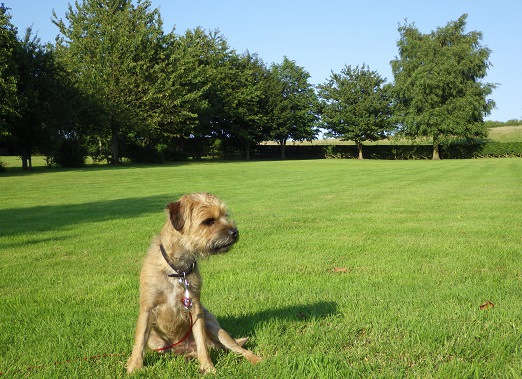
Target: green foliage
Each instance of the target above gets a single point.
(8, 71)
(492, 149)
(294, 104)
(47, 108)
(497, 124)
(356, 105)
(119, 86)
(112, 48)
(143, 154)
(245, 102)
(31, 130)
(37, 111)
(488, 149)
(438, 88)
(187, 80)
(69, 153)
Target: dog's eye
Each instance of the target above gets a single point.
(209, 221)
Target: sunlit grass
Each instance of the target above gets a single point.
(506, 133)
(497, 134)
(420, 246)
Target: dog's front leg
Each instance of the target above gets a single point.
(135, 361)
(198, 330)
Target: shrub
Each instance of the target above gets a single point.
(402, 152)
(69, 153)
(144, 154)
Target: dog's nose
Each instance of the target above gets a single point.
(234, 233)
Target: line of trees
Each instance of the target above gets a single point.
(115, 85)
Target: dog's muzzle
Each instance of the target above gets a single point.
(222, 244)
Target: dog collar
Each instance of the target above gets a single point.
(178, 273)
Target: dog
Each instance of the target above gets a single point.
(171, 316)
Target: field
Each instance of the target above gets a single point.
(509, 133)
(506, 134)
(344, 269)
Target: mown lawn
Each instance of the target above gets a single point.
(344, 269)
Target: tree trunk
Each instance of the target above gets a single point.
(25, 166)
(247, 150)
(26, 160)
(436, 155)
(359, 148)
(283, 149)
(115, 144)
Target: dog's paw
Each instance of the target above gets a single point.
(241, 341)
(207, 368)
(133, 366)
(255, 359)
(252, 357)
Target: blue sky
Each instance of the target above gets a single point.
(324, 35)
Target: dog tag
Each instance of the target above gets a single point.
(187, 303)
(185, 300)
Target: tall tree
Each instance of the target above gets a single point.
(294, 104)
(40, 104)
(113, 50)
(252, 104)
(29, 131)
(8, 69)
(186, 84)
(198, 63)
(438, 88)
(356, 105)
(245, 102)
(210, 54)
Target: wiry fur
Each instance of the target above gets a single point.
(197, 226)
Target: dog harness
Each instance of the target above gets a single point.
(185, 300)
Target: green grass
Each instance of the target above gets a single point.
(506, 133)
(424, 244)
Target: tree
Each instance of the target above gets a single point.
(231, 92)
(438, 88)
(251, 104)
(8, 69)
(182, 81)
(245, 102)
(209, 54)
(294, 104)
(70, 119)
(187, 82)
(40, 105)
(113, 50)
(38, 113)
(356, 105)
(30, 131)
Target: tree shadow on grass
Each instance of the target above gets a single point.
(45, 218)
(42, 170)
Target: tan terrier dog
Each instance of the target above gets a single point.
(171, 316)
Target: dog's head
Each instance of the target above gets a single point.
(202, 223)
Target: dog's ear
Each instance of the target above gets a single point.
(176, 215)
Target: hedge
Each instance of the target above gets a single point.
(452, 151)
